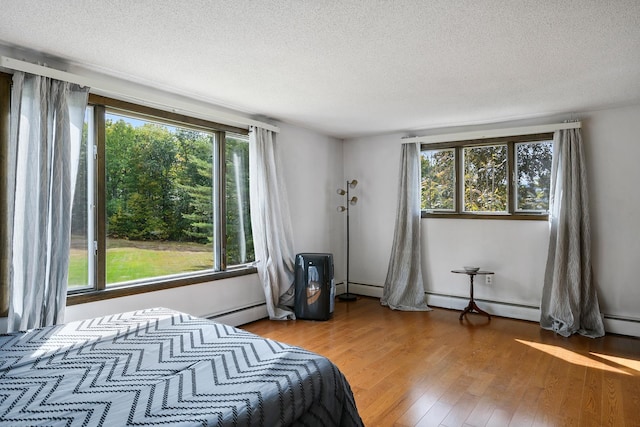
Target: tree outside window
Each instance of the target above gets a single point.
(487, 179)
(160, 199)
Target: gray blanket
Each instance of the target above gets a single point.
(161, 367)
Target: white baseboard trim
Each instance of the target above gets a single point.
(365, 290)
(242, 316)
(497, 308)
(622, 326)
(612, 324)
(459, 303)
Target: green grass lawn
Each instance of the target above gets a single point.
(132, 263)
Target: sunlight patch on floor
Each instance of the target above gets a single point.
(573, 357)
(629, 363)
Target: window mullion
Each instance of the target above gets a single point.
(100, 215)
(219, 226)
(511, 176)
(459, 194)
(90, 204)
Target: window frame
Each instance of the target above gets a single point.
(511, 213)
(101, 106)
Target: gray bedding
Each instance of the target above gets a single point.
(162, 367)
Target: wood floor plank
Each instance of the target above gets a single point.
(570, 404)
(429, 369)
(435, 415)
(482, 412)
(417, 410)
(612, 408)
(460, 412)
(591, 401)
(499, 418)
(631, 400)
(525, 413)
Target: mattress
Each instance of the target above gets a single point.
(162, 367)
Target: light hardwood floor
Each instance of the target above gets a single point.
(430, 369)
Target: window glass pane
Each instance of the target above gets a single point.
(438, 179)
(239, 241)
(159, 199)
(533, 172)
(485, 178)
(81, 260)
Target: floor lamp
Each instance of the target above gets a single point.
(348, 201)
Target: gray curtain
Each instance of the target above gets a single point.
(403, 287)
(569, 299)
(46, 125)
(271, 224)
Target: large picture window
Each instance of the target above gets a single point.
(159, 199)
(497, 178)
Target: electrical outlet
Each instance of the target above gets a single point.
(488, 279)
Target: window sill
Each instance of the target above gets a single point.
(81, 297)
(505, 216)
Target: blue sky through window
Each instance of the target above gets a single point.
(136, 123)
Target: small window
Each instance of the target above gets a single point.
(487, 178)
(438, 180)
(533, 174)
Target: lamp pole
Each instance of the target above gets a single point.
(348, 296)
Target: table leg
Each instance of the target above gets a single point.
(472, 304)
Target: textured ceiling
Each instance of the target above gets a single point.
(353, 67)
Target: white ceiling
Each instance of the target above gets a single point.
(353, 67)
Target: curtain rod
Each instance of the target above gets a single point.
(492, 133)
(106, 86)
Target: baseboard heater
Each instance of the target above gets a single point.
(242, 315)
(622, 325)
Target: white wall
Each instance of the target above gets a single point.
(203, 299)
(313, 171)
(613, 155)
(312, 167)
(515, 250)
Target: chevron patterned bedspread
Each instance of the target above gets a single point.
(162, 367)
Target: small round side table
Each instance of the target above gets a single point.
(472, 304)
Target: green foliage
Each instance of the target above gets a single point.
(160, 187)
(534, 175)
(485, 179)
(438, 179)
(194, 189)
(142, 208)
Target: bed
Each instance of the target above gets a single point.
(162, 367)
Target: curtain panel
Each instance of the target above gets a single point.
(569, 299)
(271, 224)
(46, 124)
(403, 286)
